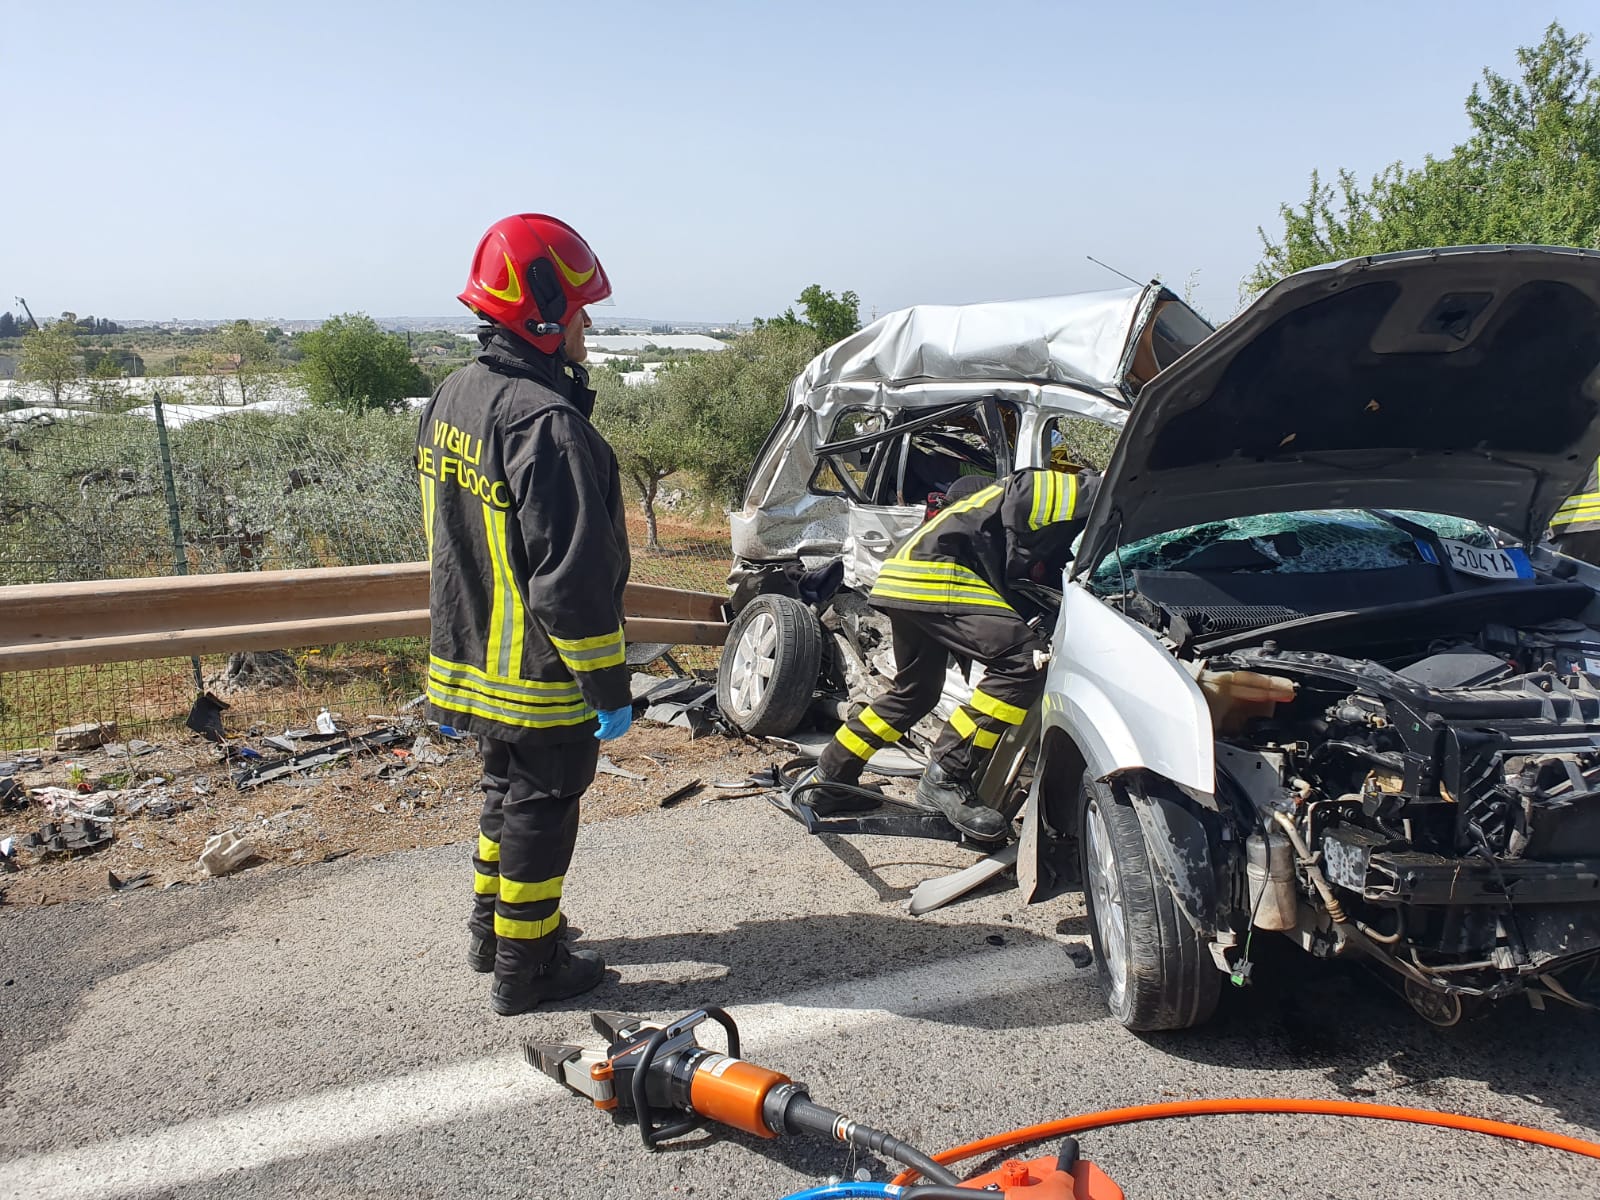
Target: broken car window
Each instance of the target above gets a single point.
(920, 452)
(1068, 441)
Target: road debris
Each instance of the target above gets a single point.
(680, 794)
(225, 852)
(425, 754)
(133, 748)
(67, 803)
(142, 879)
(1079, 954)
(205, 717)
(687, 703)
(271, 769)
(607, 767)
(69, 837)
(86, 737)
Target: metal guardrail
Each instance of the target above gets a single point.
(104, 621)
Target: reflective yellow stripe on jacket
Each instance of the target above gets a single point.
(1055, 498)
(528, 704)
(1581, 509)
(592, 653)
(936, 583)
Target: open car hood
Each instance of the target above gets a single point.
(1460, 381)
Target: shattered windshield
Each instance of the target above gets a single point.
(1340, 539)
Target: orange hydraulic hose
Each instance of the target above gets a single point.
(1213, 1108)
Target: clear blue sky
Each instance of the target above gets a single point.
(298, 159)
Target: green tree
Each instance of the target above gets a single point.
(652, 433)
(106, 388)
(353, 365)
(832, 318)
(8, 325)
(50, 357)
(250, 354)
(733, 397)
(1528, 172)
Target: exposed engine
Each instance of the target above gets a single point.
(1444, 811)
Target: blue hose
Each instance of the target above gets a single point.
(846, 1191)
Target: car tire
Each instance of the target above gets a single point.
(1155, 970)
(770, 661)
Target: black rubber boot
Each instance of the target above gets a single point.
(951, 796)
(830, 801)
(568, 973)
(481, 950)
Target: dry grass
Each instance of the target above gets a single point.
(341, 809)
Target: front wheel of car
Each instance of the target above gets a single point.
(769, 667)
(1155, 970)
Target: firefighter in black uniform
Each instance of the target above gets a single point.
(1576, 526)
(523, 511)
(949, 590)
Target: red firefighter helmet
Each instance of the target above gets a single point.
(530, 271)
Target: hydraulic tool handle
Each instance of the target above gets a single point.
(651, 1131)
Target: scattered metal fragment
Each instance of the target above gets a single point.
(607, 767)
(318, 756)
(142, 879)
(683, 793)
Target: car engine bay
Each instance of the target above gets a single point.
(1408, 757)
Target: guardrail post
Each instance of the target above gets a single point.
(180, 556)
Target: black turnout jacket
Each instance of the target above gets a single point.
(523, 510)
(965, 559)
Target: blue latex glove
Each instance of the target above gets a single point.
(614, 723)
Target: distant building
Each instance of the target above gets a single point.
(637, 343)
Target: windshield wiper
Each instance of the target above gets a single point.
(1420, 532)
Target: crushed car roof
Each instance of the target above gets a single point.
(1462, 381)
(1079, 339)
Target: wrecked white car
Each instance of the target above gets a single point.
(878, 424)
(1315, 674)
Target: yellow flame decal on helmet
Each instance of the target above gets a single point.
(574, 278)
(512, 292)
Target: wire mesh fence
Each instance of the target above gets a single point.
(88, 494)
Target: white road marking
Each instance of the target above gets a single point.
(256, 1137)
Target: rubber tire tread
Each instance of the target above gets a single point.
(1173, 981)
(794, 669)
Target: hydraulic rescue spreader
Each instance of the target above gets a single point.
(665, 1079)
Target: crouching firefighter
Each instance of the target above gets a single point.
(523, 512)
(948, 590)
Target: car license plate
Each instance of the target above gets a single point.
(1508, 563)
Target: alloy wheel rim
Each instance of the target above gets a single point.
(1110, 919)
(754, 661)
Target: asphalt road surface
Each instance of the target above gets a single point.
(314, 1032)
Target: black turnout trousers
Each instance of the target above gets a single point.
(525, 839)
(923, 643)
